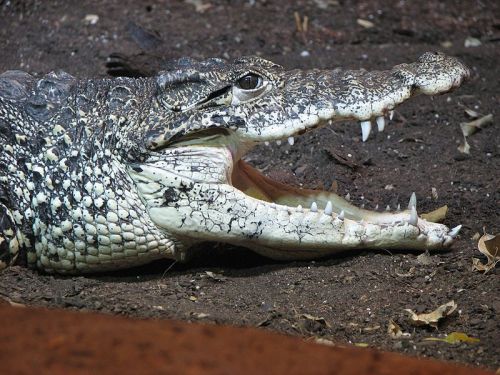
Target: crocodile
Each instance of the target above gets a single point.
(109, 173)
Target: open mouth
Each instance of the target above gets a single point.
(309, 203)
(210, 193)
(255, 184)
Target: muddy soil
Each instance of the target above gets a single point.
(355, 294)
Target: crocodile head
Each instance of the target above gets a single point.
(111, 173)
(203, 190)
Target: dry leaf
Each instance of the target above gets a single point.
(371, 328)
(488, 245)
(301, 23)
(210, 274)
(410, 273)
(199, 5)
(465, 147)
(410, 139)
(316, 319)
(201, 315)
(471, 113)
(215, 276)
(434, 317)
(454, 338)
(469, 128)
(323, 4)
(472, 42)
(434, 193)
(394, 330)
(365, 23)
(437, 215)
(322, 341)
(477, 265)
(15, 304)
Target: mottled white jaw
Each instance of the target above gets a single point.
(200, 193)
(371, 229)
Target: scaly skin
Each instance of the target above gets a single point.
(112, 173)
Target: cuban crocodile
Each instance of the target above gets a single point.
(110, 173)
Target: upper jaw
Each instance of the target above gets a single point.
(312, 98)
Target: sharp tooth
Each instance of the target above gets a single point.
(413, 201)
(266, 143)
(291, 141)
(454, 232)
(348, 197)
(399, 207)
(299, 208)
(388, 208)
(366, 128)
(376, 207)
(328, 208)
(314, 207)
(413, 216)
(391, 115)
(362, 205)
(341, 215)
(278, 142)
(381, 123)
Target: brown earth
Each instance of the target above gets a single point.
(356, 294)
(101, 344)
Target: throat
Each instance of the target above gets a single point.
(254, 184)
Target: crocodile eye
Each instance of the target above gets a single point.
(250, 82)
(249, 87)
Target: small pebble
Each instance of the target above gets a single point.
(91, 19)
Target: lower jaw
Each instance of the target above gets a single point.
(356, 228)
(273, 225)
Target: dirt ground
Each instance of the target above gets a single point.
(133, 346)
(355, 295)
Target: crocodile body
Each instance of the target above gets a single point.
(106, 174)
